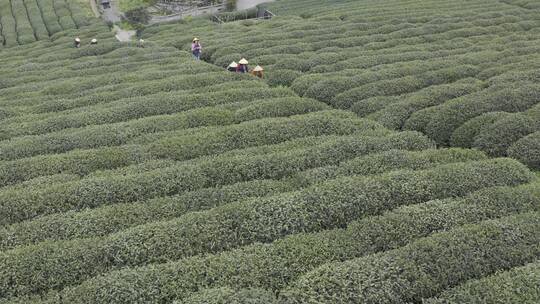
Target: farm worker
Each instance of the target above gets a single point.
(93, 41)
(242, 66)
(141, 43)
(232, 67)
(258, 71)
(196, 49)
(77, 42)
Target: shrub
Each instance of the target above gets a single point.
(396, 114)
(21, 205)
(444, 119)
(76, 162)
(498, 137)
(34, 16)
(280, 107)
(152, 112)
(107, 135)
(517, 285)
(323, 58)
(402, 85)
(425, 267)
(277, 165)
(188, 144)
(138, 16)
(527, 150)
(228, 296)
(367, 106)
(281, 77)
(465, 135)
(295, 64)
(323, 206)
(109, 219)
(301, 84)
(274, 266)
(325, 90)
(224, 61)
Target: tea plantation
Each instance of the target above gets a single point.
(390, 155)
(463, 72)
(26, 21)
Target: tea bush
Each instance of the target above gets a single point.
(261, 221)
(138, 175)
(518, 285)
(414, 271)
(102, 220)
(273, 266)
(527, 150)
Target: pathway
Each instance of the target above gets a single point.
(123, 35)
(245, 4)
(93, 5)
(112, 14)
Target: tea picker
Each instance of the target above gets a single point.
(258, 71)
(196, 49)
(232, 67)
(242, 66)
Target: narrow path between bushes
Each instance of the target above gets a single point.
(93, 5)
(123, 35)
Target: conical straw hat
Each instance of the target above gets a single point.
(258, 69)
(243, 61)
(195, 39)
(233, 64)
(94, 40)
(78, 39)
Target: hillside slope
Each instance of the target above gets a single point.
(139, 175)
(465, 73)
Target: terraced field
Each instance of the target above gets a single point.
(138, 175)
(27, 21)
(463, 72)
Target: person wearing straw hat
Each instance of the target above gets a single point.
(242, 66)
(77, 42)
(232, 67)
(258, 71)
(93, 41)
(140, 43)
(196, 49)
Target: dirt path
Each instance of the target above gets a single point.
(245, 4)
(93, 5)
(123, 35)
(112, 14)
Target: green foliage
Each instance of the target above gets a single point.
(527, 150)
(137, 16)
(441, 121)
(424, 267)
(465, 135)
(518, 285)
(140, 175)
(288, 165)
(324, 206)
(237, 15)
(504, 132)
(229, 296)
(274, 266)
(281, 77)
